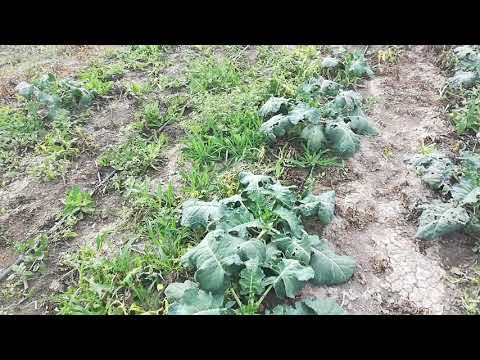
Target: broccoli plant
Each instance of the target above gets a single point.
(256, 243)
(467, 67)
(327, 117)
(460, 184)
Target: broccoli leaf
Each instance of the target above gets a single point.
(298, 248)
(194, 301)
(435, 169)
(330, 268)
(463, 79)
(330, 62)
(175, 291)
(214, 260)
(308, 307)
(252, 279)
(341, 138)
(277, 126)
(274, 106)
(361, 125)
(253, 182)
(290, 279)
(315, 137)
(360, 68)
(466, 192)
(196, 213)
(440, 219)
(303, 112)
(322, 205)
(291, 219)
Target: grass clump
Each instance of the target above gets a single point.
(131, 281)
(212, 75)
(136, 156)
(466, 117)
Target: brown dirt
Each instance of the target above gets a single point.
(395, 275)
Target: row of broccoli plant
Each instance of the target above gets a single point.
(467, 67)
(324, 114)
(460, 188)
(458, 184)
(255, 241)
(57, 104)
(466, 112)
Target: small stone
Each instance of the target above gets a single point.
(56, 286)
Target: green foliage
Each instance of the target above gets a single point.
(467, 68)
(19, 132)
(34, 252)
(435, 169)
(212, 75)
(127, 283)
(99, 78)
(78, 202)
(332, 119)
(135, 156)
(255, 241)
(466, 117)
(54, 105)
(231, 136)
(143, 56)
(308, 307)
(442, 218)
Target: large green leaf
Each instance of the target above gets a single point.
(215, 260)
(304, 113)
(320, 87)
(195, 301)
(330, 62)
(290, 277)
(288, 217)
(435, 169)
(175, 291)
(466, 192)
(347, 102)
(439, 219)
(282, 194)
(359, 67)
(330, 268)
(253, 182)
(361, 125)
(298, 248)
(252, 279)
(196, 213)
(322, 205)
(308, 307)
(463, 79)
(471, 160)
(277, 126)
(324, 306)
(468, 58)
(253, 249)
(341, 138)
(315, 138)
(274, 106)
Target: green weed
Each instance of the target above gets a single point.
(466, 118)
(135, 156)
(78, 202)
(212, 75)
